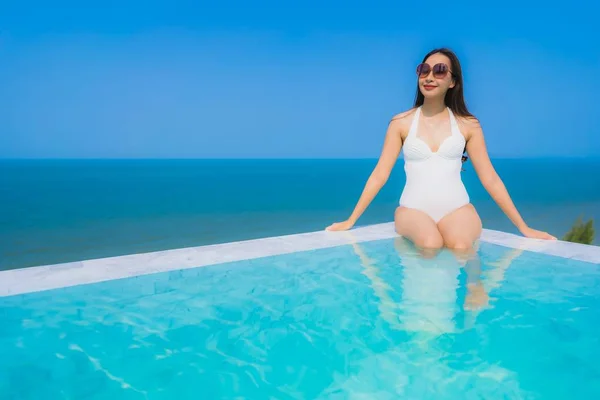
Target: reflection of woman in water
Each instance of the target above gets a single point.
(423, 367)
(429, 287)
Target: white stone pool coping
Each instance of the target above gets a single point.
(33, 279)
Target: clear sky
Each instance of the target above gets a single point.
(232, 78)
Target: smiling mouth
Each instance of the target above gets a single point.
(429, 87)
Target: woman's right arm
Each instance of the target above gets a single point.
(387, 159)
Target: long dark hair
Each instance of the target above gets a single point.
(454, 99)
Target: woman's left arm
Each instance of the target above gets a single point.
(490, 180)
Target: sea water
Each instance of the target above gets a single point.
(55, 211)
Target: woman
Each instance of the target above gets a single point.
(434, 209)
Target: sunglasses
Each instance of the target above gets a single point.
(440, 70)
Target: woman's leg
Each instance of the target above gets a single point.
(461, 228)
(419, 228)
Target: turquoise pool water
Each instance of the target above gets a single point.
(371, 320)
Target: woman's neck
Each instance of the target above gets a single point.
(433, 106)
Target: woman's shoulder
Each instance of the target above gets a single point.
(403, 119)
(404, 114)
(469, 125)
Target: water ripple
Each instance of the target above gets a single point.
(368, 321)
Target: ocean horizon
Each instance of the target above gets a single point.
(62, 210)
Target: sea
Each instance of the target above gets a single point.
(55, 211)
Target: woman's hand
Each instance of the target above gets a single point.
(535, 234)
(340, 226)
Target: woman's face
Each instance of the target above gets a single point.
(435, 76)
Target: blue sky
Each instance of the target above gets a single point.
(272, 79)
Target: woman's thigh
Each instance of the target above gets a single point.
(461, 228)
(418, 227)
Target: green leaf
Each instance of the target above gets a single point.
(581, 232)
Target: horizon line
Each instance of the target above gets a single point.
(547, 157)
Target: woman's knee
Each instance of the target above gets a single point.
(433, 242)
(459, 244)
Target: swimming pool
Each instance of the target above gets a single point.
(345, 315)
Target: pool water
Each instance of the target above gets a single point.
(373, 320)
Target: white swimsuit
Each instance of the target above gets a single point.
(433, 179)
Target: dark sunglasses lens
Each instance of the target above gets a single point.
(440, 70)
(423, 70)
